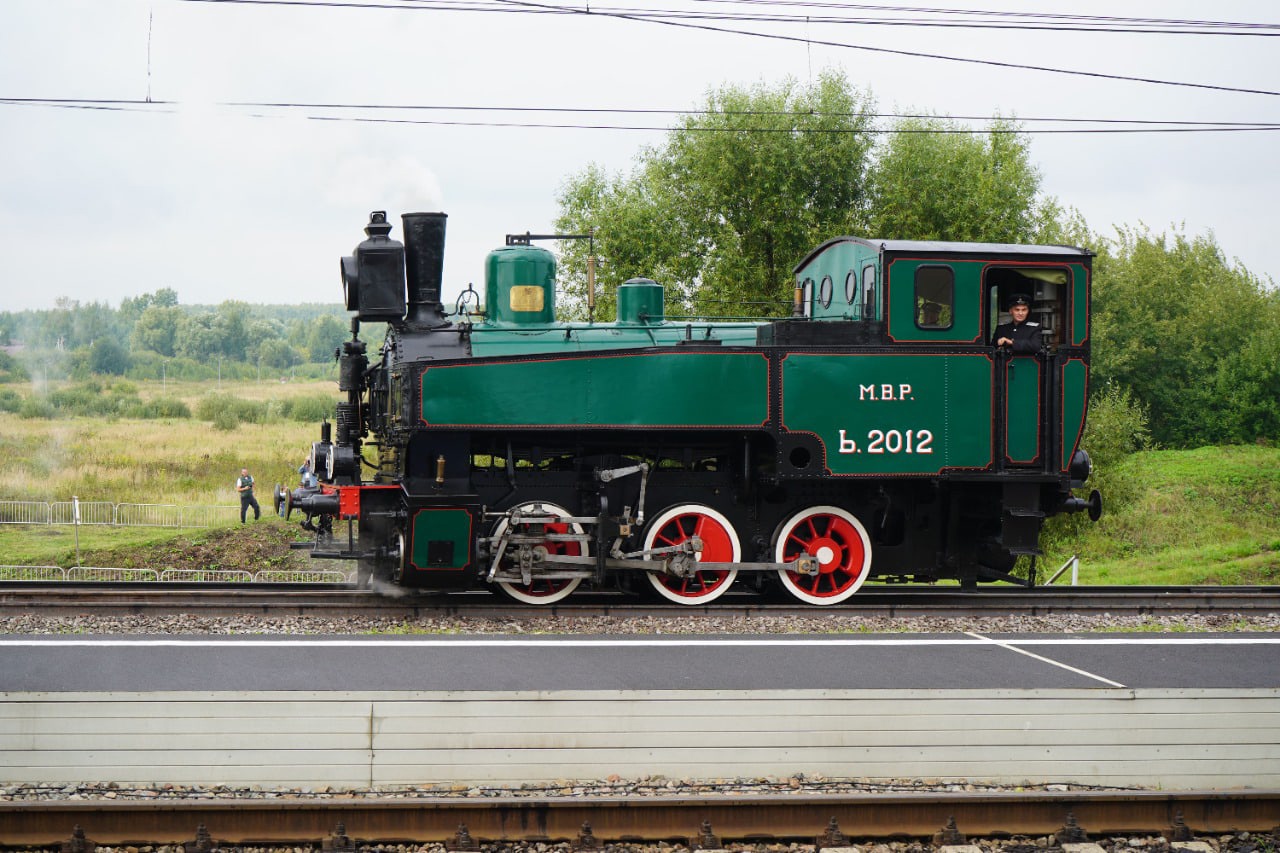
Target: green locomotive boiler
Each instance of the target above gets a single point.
(874, 434)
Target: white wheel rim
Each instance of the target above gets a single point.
(401, 555)
(837, 526)
(519, 592)
(729, 538)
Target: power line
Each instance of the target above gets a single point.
(977, 19)
(790, 130)
(911, 53)
(1174, 25)
(648, 17)
(1108, 125)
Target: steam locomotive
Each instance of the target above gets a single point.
(873, 434)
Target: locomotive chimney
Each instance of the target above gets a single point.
(424, 267)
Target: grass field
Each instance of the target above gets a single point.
(1205, 516)
(175, 461)
(182, 462)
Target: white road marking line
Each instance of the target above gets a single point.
(1043, 659)
(617, 642)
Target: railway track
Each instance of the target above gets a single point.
(103, 598)
(825, 821)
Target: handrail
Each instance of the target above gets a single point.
(1074, 563)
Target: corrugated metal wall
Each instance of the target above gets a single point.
(1173, 738)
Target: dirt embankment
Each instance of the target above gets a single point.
(256, 546)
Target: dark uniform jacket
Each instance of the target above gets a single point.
(1026, 336)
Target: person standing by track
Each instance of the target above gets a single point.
(244, 485)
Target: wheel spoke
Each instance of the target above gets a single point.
(542, 591)
(720, 545)
(839, 542)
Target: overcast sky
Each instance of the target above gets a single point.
(221, 202)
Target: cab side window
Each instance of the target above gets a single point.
(869, 293)
(826, 289)
(806, 296)
(935, 297)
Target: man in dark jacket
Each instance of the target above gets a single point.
(244, 485)
(1020, 335)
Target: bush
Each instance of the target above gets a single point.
(10, 400)
(86, 399)
(167, 407)
(160, 408)
(222, 409)
(107, 355)
(36, 407)
(1117, 429)
(308, 409)
(225, 420)
(10, 369)
(94, 399)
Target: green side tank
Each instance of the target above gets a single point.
(520, 286)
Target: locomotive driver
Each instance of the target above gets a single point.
(1021, 336)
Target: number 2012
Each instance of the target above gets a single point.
(892, 441)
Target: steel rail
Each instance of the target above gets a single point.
(736, 818)
(104, 598)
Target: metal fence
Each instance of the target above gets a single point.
(25, 512)
(106, 573)
(82, 512)
(163, 515)
(104, 513)
(32, 573)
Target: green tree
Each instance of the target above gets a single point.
(1248, 382)
(10, 369)
(263, 334)
(933, 180)
(738, 193)
(132, 309)
(199, 339)
(108, 356)
(157, 329)
(55, 328)
(231, 323)
(276, 353)
(1172, 321)
(324, 336)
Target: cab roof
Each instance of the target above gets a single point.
(947, 247)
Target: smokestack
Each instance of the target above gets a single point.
(424, 267)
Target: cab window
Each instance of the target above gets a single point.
(1046, 288)
(825, 290)
(806, 296)
(869, 292)
(935, 297)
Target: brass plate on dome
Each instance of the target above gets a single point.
(526, 297)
